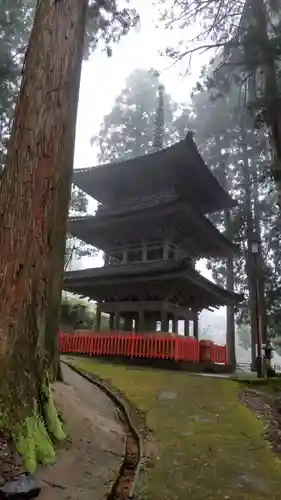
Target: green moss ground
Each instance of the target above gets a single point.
(209, 446)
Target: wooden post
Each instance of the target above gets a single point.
(144, 252)
(186, 327)
(164, 321)
(141, 321)
(195, 325)
(128, 323)
(125, 256)
(98, 317)
(117, 321)
(175, 324)
(166, 250)
(111, 321)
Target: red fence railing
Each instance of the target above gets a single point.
(142, 346)
(219, 354)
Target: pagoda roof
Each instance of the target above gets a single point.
(189, 287)
(179, 168)
(191, 230)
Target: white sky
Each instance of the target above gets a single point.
(103, 78)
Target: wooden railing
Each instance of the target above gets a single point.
(149, 346)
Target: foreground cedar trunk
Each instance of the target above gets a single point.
(34, 195)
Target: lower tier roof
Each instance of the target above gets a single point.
(174, 281)
(180, 222)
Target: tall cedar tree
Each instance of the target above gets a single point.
(227, 139)
(34, 196)
(247, 36)
(128, 130)
(106, 24)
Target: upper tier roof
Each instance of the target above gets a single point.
(179, 167)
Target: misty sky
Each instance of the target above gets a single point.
(103, 78)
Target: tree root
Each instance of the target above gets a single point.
(52, 419)
(33, 436)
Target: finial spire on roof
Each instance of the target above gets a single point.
(159, 120)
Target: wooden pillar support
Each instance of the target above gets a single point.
(141, 319)
(117, 321)
(195, 324)
(186, 327)
(125, 256)
(144, 252)
(175, 324)
(98, 317)
(111, 321)
(166, 250)
(128, 323)
(164, 321)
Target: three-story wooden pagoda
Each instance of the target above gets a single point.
(152, 226)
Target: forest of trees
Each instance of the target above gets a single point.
(237, 154)
(234, 110)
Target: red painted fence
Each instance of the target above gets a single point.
(142, 346)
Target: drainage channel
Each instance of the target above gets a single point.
(125, 483)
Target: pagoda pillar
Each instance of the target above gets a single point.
(144, 252)
(141, 321)
(166, 250)
(125, 256)
(164, 321)
(111, 321)
(150, 322)
(186, 327)
(128, 323)
(195, 324)
(98, 318)
(175, 324)
(117, 321)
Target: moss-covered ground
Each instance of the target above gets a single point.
(208, 445)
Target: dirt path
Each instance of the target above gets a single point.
(91, 462)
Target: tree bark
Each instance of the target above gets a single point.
(250, 271)
(260, 271)
(230, 311)
(34, 196)
(272, 101)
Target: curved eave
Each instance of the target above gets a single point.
(205, 240)
(90, 282)
(179, 166)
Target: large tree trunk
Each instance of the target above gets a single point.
(34, 194)
(230, 311)
(260, 265)
(247, 185)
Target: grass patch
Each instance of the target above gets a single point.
(209, 445)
